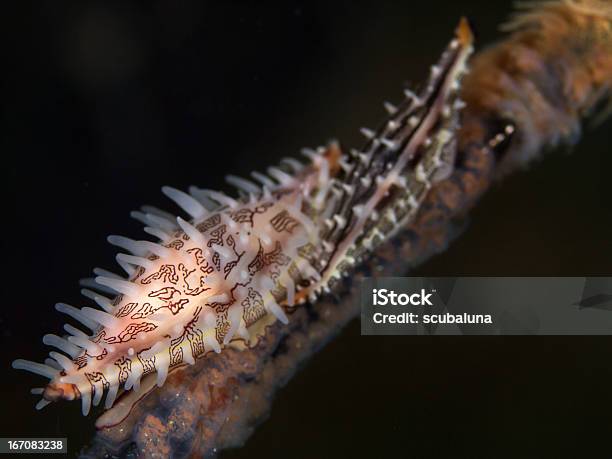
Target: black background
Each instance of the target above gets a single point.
(105, 102)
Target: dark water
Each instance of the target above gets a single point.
(104, 102)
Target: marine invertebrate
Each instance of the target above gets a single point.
(238, 264)
(223, 395)
(542, 80)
